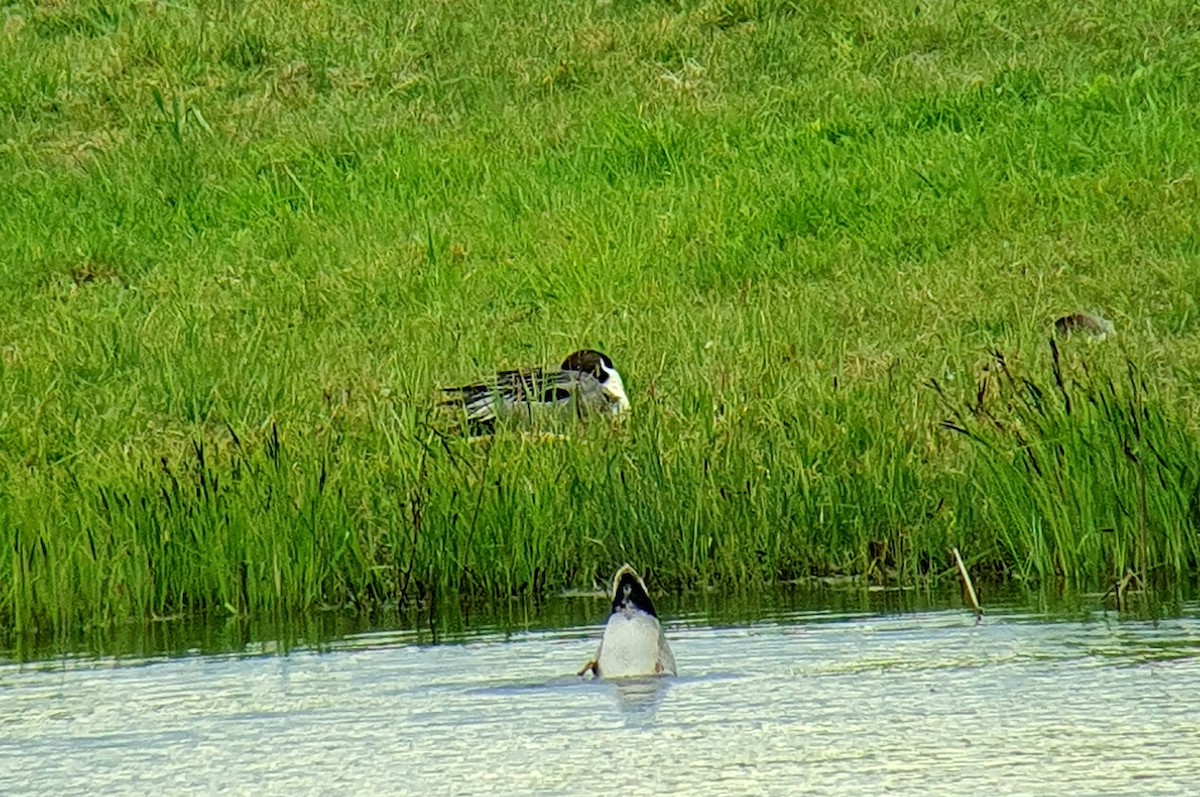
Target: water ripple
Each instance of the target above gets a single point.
(927, 702)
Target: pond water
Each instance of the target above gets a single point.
(819, 694)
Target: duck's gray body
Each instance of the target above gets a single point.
(1088, 325)
(586, 384)
(633, 645)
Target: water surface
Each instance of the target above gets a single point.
(781, 696)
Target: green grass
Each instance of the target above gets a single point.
(241, 244)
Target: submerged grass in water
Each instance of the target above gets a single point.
(242, 247)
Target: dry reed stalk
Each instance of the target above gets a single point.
(966, 579)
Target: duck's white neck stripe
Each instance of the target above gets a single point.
(615, 388)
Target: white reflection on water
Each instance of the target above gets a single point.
(908, 704)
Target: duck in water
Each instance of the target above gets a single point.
(633, 645)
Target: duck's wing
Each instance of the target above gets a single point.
(522, 384)
(510, 391)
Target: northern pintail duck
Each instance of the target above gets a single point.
(587, 383)
(1087, 325)
(633, 645)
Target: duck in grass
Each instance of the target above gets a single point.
(1091, 326)
(586, 383)
(633, 645)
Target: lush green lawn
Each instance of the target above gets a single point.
(241, 244)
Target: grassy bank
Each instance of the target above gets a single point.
(242, 244)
